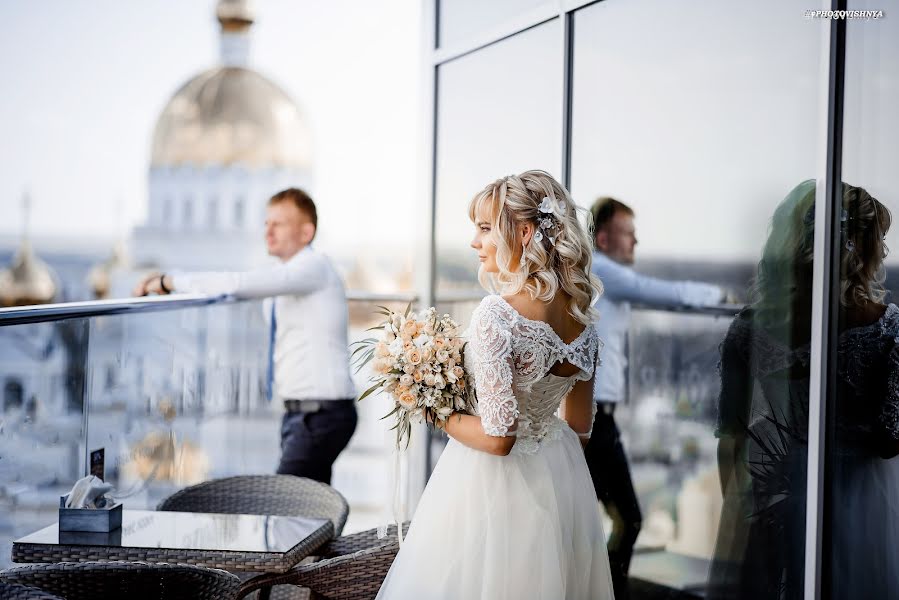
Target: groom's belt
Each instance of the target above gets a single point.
(606, 408)
(311, 406)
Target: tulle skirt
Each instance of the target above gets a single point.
(865, 528)
(505, 527)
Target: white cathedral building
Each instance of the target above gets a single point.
(226, 141)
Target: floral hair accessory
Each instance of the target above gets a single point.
(549, 221)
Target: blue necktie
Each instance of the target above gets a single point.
(270, 379)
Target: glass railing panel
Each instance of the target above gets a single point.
(174, 397)
(43, 377)
(177, 398)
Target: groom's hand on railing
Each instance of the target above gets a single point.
(154, 283)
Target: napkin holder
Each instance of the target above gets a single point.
(91, 538)
(97, 520)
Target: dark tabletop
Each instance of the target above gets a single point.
(235, 542)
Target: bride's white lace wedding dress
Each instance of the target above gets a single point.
(526, 525)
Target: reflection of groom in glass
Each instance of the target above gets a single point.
(615, 240)
(308, 357)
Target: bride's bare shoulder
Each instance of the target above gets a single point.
(527, 307)
(554, 313)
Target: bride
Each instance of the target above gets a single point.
(510, 511)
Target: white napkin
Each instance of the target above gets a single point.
(88, 493)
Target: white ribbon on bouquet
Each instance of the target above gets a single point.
(397, 506)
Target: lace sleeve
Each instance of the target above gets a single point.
(491, 339)
(596, 354)
(888, 416)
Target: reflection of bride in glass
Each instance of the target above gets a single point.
(763, 413)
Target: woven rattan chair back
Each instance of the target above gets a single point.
(284, 495)
(126, 580)
(14, 591)
(353, 567)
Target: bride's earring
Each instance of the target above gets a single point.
(521, 261)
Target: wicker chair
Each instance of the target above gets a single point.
(353, 567)
(131, 580)
(14, 591)
(284, 495)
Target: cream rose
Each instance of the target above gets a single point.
(427, 354)
(458, 372)
(442, 356)
(410, 328)
(430, 379)
(407, 380)
(413, 356)
(417, 376)
(407, 401)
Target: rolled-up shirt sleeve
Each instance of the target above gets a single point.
(622, 283)
(303, 274)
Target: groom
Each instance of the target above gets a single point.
(613, 257)
(308, 355)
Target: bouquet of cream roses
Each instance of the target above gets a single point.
(417, 359)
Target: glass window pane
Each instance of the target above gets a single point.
(460, 19)
(706, 134)
(498, 112)
(864, 494)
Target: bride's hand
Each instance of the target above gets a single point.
(432, 420)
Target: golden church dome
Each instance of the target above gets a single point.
(27, 281)
(231, 114)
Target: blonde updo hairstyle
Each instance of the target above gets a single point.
(546, 267)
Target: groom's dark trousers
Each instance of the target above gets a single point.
(614, 488)
(313, 434)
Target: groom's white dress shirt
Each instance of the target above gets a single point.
(311, 356)
(622, 285)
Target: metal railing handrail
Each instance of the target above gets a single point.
(39, 313)
(362, 296)
(20, 315)
(715, 310)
